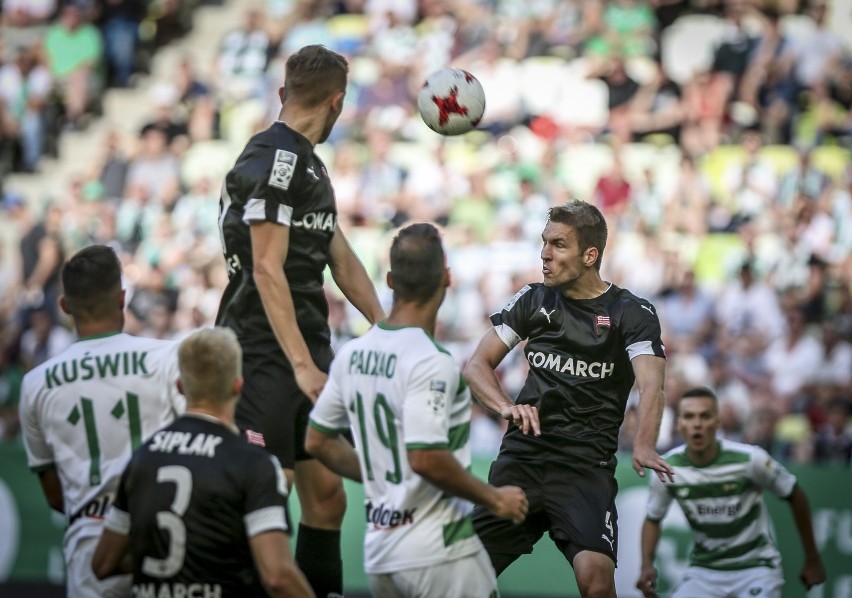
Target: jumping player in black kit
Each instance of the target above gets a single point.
(200, 510)
(279, 230)
(587, 342)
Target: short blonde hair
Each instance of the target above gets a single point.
(209, 361)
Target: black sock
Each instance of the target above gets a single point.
(318, 556)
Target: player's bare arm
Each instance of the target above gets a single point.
(647, 582)
(486, 389)
(111, 555)
(280, 576)
(440, 468)
(650, 372)
(335, 452)
(269, 243)
(52, 488)
(351, 276)
(813, 571)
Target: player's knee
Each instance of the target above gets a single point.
(596, 586)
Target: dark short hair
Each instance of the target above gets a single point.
(90, 271)
(698, 392)
(586, 220)
(313, 74)
(417, 262)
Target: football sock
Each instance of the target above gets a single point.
(318, 556)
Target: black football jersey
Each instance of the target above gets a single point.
(278, 178)
(579, 354)
(190, 498)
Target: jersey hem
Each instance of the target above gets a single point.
(326, 430)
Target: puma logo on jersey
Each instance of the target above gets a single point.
(310, 171)
(648, 307)
(608, 540)
(547, 315)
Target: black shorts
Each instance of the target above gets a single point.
(575, 503)
(272, 410)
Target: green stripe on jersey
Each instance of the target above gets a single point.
(728, 529)
(456, 531)
(325, 430)
(730, 487)
(462, 384)
(705, 558)
(740, 565)
(725, 457)
(457, 438)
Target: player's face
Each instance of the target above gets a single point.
(561, 259)
(697, 421)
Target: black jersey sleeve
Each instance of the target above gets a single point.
(640, 327)
(512, 323)
(273, 196)
(266, 497)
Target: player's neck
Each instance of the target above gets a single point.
(224, 414)
(86, 329)
(410, 314)
(588, 286)
(705, 457)
(303, 122)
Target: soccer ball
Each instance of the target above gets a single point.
(451, 101)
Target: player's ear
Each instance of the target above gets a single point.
(63, 304)
(337, 101)
(281, 94)
(591, 256)
(179, 385)
(448, 278)
(237, 386)
(121, 296)
(389, 280)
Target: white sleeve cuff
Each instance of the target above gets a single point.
(640, 348)
(507, 335)
(117, 521)
(264, 520)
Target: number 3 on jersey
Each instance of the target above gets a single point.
(172, 522)
(129, 405)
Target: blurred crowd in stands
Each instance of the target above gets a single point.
(715, 135)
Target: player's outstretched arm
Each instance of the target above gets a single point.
(479, 373)
(647, 582)
(813, 571)
(440, 468)
(650, 372)
(280, 576)
(111, 554)
(351, 276)
(335, 452)
(269, 244)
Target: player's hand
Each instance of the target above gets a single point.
(647, 583)
(511, 504)
(813, 573)
(310, 380)
(523, 416)
(647, 457)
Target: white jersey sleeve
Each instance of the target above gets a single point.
(329, 413)
(659, 500)
(428, 400)
(39, 453)
(767, 473)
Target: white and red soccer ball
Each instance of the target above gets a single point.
(451, 101)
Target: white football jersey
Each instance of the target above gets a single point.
(85, 410)
(399, 390)
(723, 502)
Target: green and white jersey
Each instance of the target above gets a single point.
(723, 502)
(85, 410)
(400, 390)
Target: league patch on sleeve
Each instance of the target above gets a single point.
(283, 168)
(438, 400)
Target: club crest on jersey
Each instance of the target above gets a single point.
(602, 322)
(438, 401)
(283, 168)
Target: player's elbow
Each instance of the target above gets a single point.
(422, 462)
(286, 581)
(314, 442)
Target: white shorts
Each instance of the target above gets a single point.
(699, 582)
(80, 579)
(468, 577)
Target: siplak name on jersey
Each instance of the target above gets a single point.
(168, 441)
(569, 365)
(324, 221)
(381, 516)
(177, 590)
